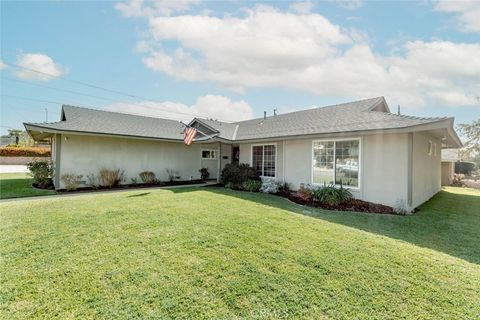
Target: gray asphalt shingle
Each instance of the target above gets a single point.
(353, 116)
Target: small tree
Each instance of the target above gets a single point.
(471, 146)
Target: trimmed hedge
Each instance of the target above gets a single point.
(24, 152)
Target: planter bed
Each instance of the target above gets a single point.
(354, 205)
(134, 186)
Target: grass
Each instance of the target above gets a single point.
(18, 185)
(216, 253)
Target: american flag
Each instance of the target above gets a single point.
(188, 135)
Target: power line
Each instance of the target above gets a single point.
(90, 107)
(101, 88)
(58, 89)
(93, 96)
(74, 81)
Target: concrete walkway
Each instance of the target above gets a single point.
(90, 193)
(12, 168)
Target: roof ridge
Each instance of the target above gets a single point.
(406, 116)
(116, 112)
(311, 109)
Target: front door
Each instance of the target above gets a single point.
(236, 154)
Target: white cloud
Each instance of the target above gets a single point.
(302, 6)
(2, 65)
(139, 8)
(349, 4)
(306, 52)
(467, 13)
(46, 67)
(208, 106)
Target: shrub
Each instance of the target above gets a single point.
(305, 192)
(269, 186)
(237, 174)
(42, 172)
(332, 195)
(92, 180)
(284, 187)
(71, 181)
(251, 185)
(133, 181)
(172, 175)
(464, 167)
(148, 177)
(204, 174)
(17, 151)
(111, 178)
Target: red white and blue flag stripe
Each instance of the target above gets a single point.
(188, 135)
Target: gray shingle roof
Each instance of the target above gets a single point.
(353, 116)
(114, 123)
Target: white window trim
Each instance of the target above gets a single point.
(360, 161)
(214, 158)
(430, 148)
(263, 157)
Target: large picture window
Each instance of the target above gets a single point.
(336, 162)
(263, 160)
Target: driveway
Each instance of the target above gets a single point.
(10, 168)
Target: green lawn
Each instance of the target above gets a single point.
(216, 253)
(17, 185)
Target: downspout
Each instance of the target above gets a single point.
(219, 161)
(283, 161)
(410, 171)
(58, 146)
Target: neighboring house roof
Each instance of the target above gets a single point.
(450, 155)
(363, 115)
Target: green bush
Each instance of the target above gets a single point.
(42, 173)
(252, 185)
(204, 173)
(236, 174)
(332, 195)
(464, 167)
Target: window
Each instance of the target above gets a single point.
(209, 154)
(430, 148)
(263, 160)
(336, 162)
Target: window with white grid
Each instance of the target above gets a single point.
(263, 160)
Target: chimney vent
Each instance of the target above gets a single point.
(398, 111)
(275, 111)
(264, 115)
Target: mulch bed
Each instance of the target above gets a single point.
(135, 186)
(350, 205)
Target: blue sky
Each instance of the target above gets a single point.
(233, 60)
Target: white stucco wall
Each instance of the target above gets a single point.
(385, 169)
(426, 173)
(84, 155)
(383, 172)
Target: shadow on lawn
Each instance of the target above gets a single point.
(449, 222)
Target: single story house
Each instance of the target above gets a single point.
(449, 157)
(382, 157)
